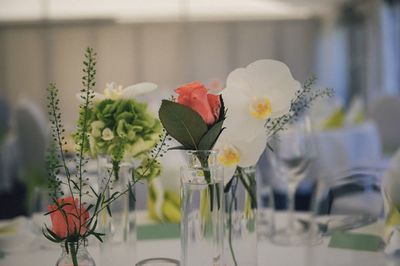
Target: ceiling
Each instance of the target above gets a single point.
(128, 11)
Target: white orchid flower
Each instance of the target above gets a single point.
(114, 92)
(262, 90)
(239, 152)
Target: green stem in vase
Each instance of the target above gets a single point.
(248, 186)
(233, 187)
(207, 176)
(115, 167)
(74, 251)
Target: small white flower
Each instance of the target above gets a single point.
(112, 91)
(97, 126)
(239, 152)
(107, 134)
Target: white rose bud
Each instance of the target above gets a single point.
(107, 134)
(96, 128)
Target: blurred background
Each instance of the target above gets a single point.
(351, 46)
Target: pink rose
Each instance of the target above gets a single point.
(196, 96)
(77, 217)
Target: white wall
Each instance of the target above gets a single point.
(168, 54)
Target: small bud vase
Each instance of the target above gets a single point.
(75, 254)
(240, 246)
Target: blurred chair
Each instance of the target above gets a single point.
(12, 192)
(343, 149)
(4, 118)
(386, 114)
(32, 137)
(5, 180)
(354, 193)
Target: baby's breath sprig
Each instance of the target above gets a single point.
(145, 170)
(303, 100)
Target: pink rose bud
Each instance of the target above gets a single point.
(195, 96)
(75, 220)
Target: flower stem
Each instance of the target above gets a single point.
(233, 198)
(74, 251)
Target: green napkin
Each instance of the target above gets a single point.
(158, 231)
(356, 241)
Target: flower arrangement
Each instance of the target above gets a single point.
(74, 218)
(261, 100)
(265, 97)
(121, 127)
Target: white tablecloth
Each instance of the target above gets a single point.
(269, 254)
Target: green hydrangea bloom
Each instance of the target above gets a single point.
(122, 129)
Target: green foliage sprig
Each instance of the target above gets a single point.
(303, 100)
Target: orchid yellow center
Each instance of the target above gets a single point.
(229, 156)
(260, 108)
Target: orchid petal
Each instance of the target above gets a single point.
(138, 89)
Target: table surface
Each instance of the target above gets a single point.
(30, 251)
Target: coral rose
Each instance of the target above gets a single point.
(196, 96)
(77, 217)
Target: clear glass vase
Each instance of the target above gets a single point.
(75, 254)
(120, 228)
(241, 218)
(202, 210)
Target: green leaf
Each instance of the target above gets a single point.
(89, 207)
(208, 140)
(108, 210)
(49, 237)
(53, 235)
(222, 111)
(94, 192)
(111, 198)
(98, 236)
(98, 201)
(182, 123)
(177, 148)
(228, 186)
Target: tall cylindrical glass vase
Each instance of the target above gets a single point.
(202, 210)
(120, 228)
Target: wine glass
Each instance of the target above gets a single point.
(294, 150)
